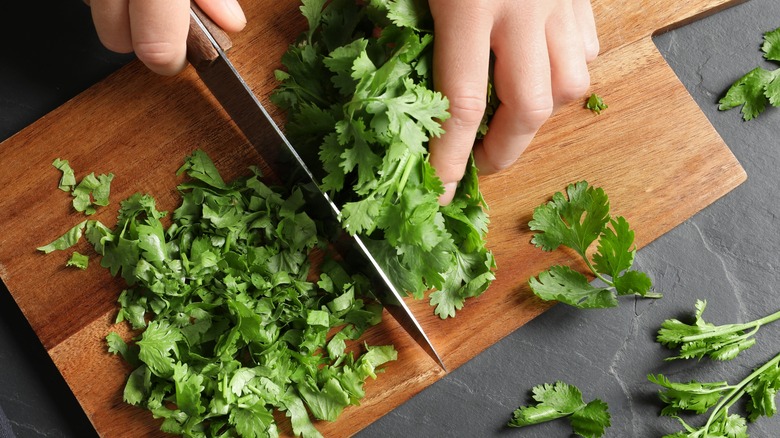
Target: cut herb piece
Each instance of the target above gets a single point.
(230, 326)
(67, 240)
(759, 87)
(365, 106)
(760, 386)
(90, 192)
(700, 339)
(561, 400)
(577, 222)
(78, 260)
(596, 104)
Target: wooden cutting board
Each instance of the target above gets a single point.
(653, 152)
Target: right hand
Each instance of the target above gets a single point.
(156, 30)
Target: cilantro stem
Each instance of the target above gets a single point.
(733, 328)
(595, 272)
(738, 391)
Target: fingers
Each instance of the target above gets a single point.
(157, 30)
(523, 85)
(227, 14)
(568, 66)
(583, 11)
(112, 23)
(460, 73)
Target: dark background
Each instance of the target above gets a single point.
(727, 254)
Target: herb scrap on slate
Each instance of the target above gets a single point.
(576, 223)
(759, 87)
(560, 400)
(700, 339)
(358, 94)
(760, 386)
(229, 321)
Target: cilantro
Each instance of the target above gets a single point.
(78, 260)
(365, 105)
(561, 400)
(90, 192)
(67, 240)
(700, 339)
(760, 386)
(759, 87)
(596, 104)
(230, 326)
(577, 222)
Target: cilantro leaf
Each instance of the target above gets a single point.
(596, 104)
(759, 87)
(560, 400)
(67, 240)
(771, 46)
(78, 260)
(68, 179)
(576, 223)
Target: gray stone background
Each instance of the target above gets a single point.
(727, 254)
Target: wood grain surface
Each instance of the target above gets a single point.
(652, 151)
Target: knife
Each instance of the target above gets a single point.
(206, 45)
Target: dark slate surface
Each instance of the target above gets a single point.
(726, 254)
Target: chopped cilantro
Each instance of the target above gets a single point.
(596, 104)
(92, 191)
(230, 326)
(78, 260)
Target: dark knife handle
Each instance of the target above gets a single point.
(200, 50)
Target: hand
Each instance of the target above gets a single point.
(156, 30)
(541, 52)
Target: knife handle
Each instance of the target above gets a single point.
(200, 50)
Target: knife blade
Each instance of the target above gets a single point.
(205, 52)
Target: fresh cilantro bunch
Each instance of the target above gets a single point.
(230, 323)
(759, 87)
(561, 400)
(358, 93)
(576, 223)
(700, 339)
(760, 386)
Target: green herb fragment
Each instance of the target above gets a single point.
(231, 325)
(92, 191)
(700, 339)
(68, 179)
(576, 223)
(78, 260)
(759, 87)
(760, 386)
(596, 104)
(364, 105)
(559, 400)
(67, 240)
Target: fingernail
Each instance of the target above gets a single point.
(235, 10)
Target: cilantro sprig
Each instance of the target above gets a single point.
(358, 92)
(759, 87)
(576, 223)
(760, 387)
(562, 400)
(700, 339)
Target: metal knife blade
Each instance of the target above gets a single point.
(251, 117)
